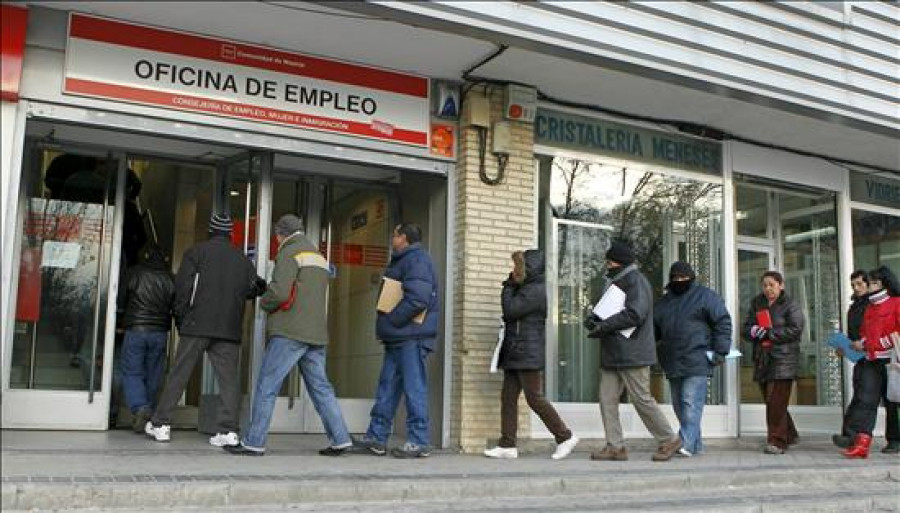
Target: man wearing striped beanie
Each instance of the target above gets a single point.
(211, 288)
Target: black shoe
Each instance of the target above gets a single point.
(842, 441)
(891, 448)
(410, 451)
(367, 446)
(242, 450)
(335, 451)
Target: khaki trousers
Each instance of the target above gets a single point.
(636, 380)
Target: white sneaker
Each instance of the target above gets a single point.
(503, 453)
(158, 433)
(223, 439)
(684, 453)
(565, 448)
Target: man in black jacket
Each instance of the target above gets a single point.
(211, 288)
(149, 289)
(627, 350)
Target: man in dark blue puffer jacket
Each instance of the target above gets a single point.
(408, 340)
(693, 328)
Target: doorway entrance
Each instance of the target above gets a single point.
(793, 231)
(173, 186)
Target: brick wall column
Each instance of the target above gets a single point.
(491, 223)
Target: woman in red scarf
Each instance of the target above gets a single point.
(879, 333)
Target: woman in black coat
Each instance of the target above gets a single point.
(774, 325)
(524, 301)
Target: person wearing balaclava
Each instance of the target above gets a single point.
(627, 350)
(693, 330)
(214, 282)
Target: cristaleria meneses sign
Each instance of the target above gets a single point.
(134, 63)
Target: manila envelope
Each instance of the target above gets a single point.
(391, 294)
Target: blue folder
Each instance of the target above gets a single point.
(840, 341)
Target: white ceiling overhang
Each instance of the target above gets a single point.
(367, 35)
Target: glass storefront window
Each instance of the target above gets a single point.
(665, 216)
(876, 240)
(752, 213)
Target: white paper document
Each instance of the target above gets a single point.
(495, 359)
(64, 255)
(612, 302)
(734, 353)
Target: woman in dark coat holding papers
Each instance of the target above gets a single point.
(524, 301)
(774, 325)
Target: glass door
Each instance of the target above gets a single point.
(240, 180)
(753, 261)
(351, 224)
(579, 271)
(793, 231)
(68, 260)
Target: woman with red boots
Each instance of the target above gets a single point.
(879, 333)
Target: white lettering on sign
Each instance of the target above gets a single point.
(134, 63)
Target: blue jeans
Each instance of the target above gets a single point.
(403, 371)
(142, 364)
(688, 399)
(281, 355)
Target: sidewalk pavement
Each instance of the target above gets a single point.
(52, 460)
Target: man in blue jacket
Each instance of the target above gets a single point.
(693, 328)
(408, 340)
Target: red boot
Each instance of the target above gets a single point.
(860, 447)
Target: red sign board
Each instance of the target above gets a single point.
(176, 70)
(13, 21)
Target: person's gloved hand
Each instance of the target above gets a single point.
(591, 322)
(758, 333)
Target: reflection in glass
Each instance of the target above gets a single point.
(876, 240)
(665, 217)
(810, 254)
(353, 226)
(61, 295)
(751, 265)
(805, 249)
(752, 212)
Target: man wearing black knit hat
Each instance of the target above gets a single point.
(212, 285)
(627, 350)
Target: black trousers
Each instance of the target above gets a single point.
(225, 357)
(868, 394)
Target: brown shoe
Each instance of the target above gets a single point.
(666, 450)
(610, 453)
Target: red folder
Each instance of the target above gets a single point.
(763, 319)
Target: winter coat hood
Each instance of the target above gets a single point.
(524, 316)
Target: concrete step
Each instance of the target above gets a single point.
(856, 486)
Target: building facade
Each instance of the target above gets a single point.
(740, 137)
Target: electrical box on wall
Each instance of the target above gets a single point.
(477, 110)
(501, 138)
(521, 103)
